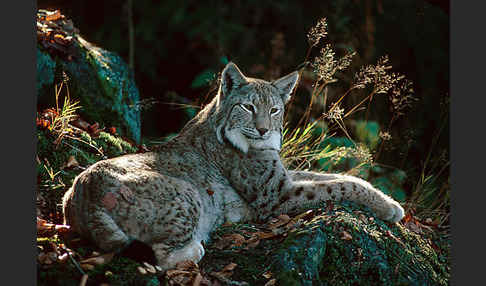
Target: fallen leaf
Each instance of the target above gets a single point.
(187, 265)
(197, 280)
(72, 162)
(267, 274)
(230, 267)
(149, 267)
(279, 221)
(175, 272)
(271, 282)
(345, 235)
(252, 242)
(94, 130)
(53, 15)
(210, 192)
(237, 239)
(265, 235)
(99, 260)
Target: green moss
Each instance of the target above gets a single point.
(316, 254)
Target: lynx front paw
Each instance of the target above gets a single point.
(396, 212)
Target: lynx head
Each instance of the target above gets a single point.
(249, 112)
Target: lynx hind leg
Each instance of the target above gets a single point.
(105, 232)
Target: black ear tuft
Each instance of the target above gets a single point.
(228, 83)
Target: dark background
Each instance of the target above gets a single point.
(177, 42)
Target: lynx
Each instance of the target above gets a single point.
(224, 166)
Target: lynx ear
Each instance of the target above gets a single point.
(231, 78)
(286, 85)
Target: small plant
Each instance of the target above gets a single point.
(57, 120)
(307, 145)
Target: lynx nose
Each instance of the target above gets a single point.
(262, 131)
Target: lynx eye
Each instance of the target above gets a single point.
(248, 107)
(274, 111)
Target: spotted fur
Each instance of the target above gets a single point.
(223, 166)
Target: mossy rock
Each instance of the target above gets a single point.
(320, 252)
(99, 79)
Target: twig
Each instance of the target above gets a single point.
(83, 280)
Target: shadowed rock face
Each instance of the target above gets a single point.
(99, 79)
(338, 247)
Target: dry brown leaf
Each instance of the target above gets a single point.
(175, 272)
(407, 218)
(279, 221)
(42, 224)
(53, 15)
(271, 282)
(252, 242)
(264, 235)
(197, 280)
(94, 130)
(72, 162)
(227, 271)
(231, 240)
(99, 260)
(187, 265)
(230, 267)
(345, 235)
(149, 267)
(267, 274)
(181, 279)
